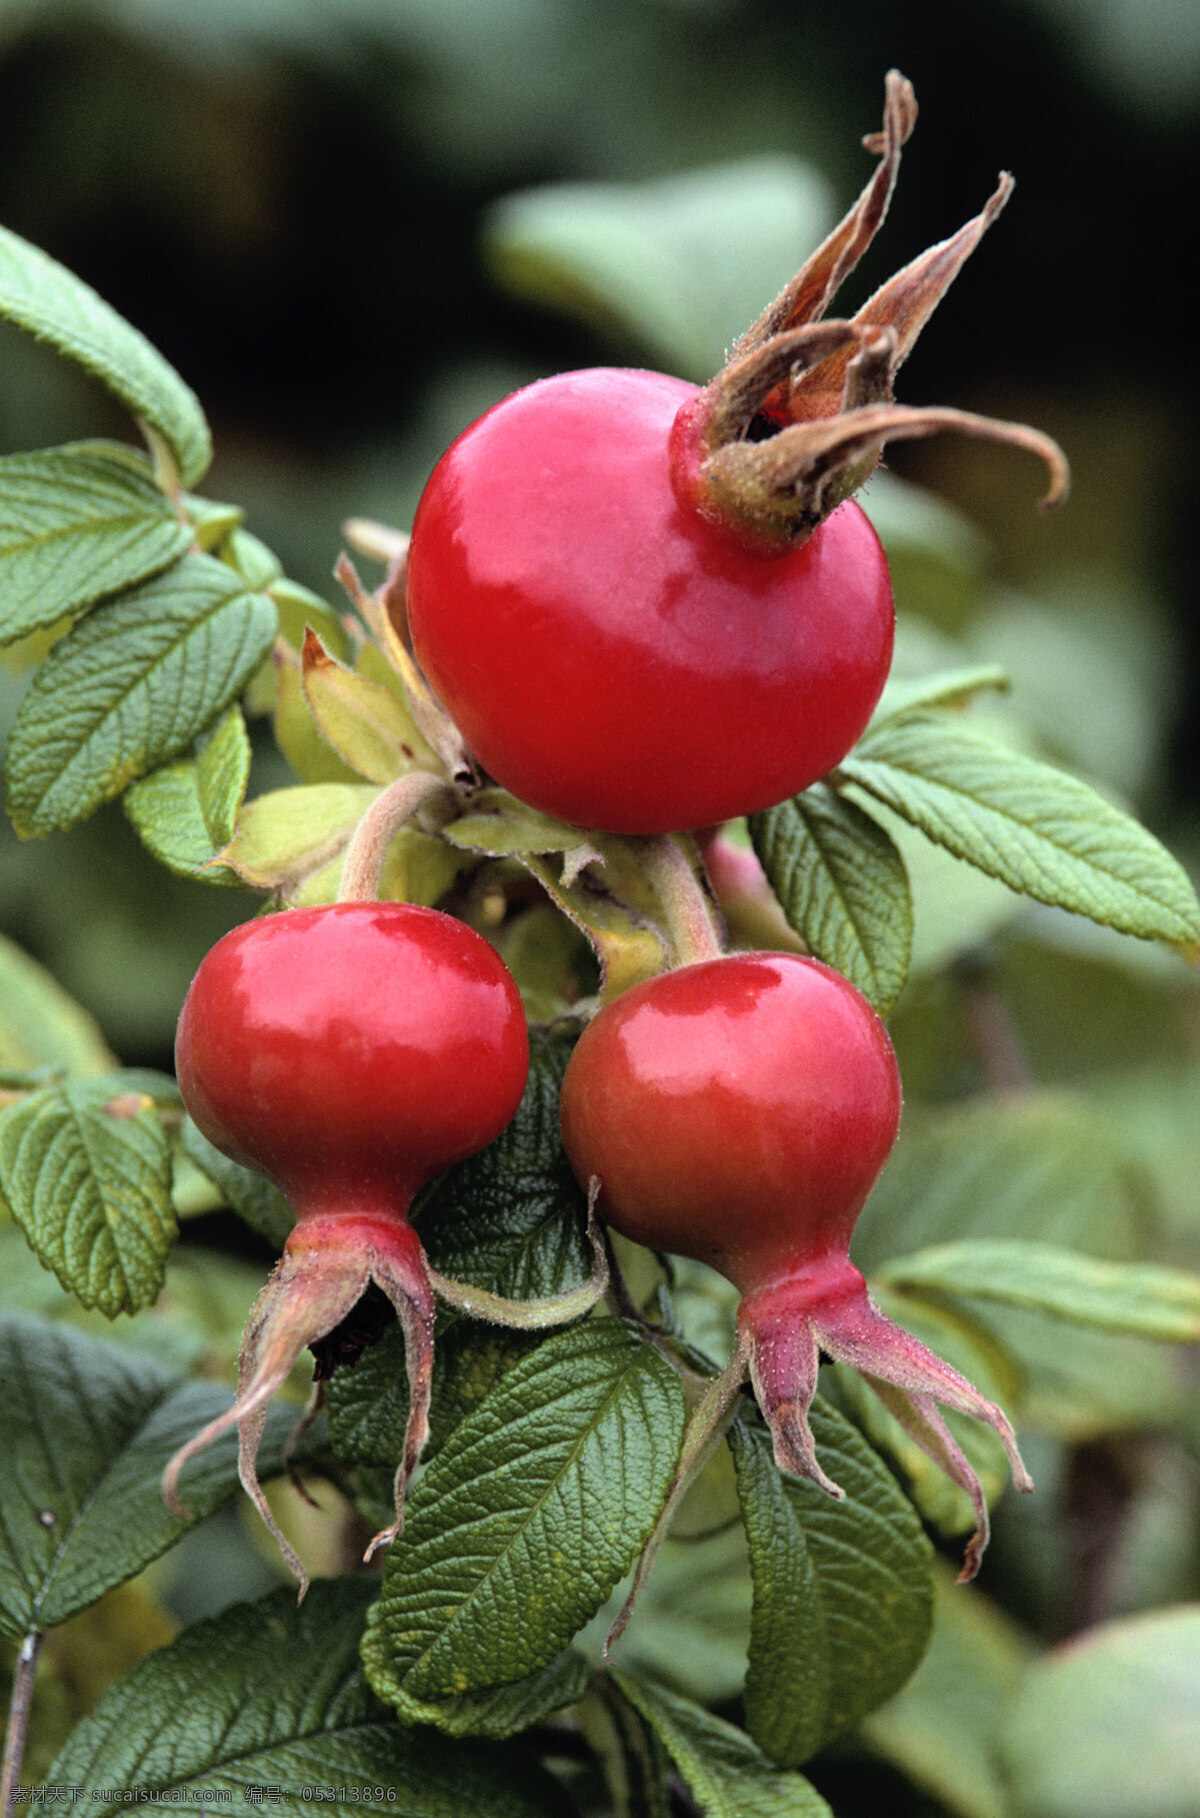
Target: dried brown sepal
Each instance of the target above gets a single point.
(816, 284)
(789, 483)
(797, 419)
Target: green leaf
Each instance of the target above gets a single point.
(726, 1775)
(251, 1195)
(77, 524)
(635, 1766)
(904, 695)
(258, 566)
(52, 305)
(86, 1171)
(1035, 1166)
(1139, 1298)
(842, 1590)
(511, 1219)
(538, 1502)
(942, 1728)
(843, 887)
(1109, 1723)
(130, 686)
(505, 1710)
(267, 1702)
(86, 1428)
(185, 812)
(683, 263)
(691, 1628)
(368, 1401)
(40, 1024)
(1035, 828)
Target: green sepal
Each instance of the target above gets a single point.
(367, 723)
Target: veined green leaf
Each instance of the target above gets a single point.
(842, 1590)
(1140, 1298)
(1038, 830)
(186, 811)
(49, 302)
(513, 1218)
(85, 1169)
(504, 1710)
(269, 1700)
(130, 686)
(538, 1502)
(77, 524)
(722, 1769)
(86, 1428)
(843, 887)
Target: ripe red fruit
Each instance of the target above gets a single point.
(739, 1112)
(610, 652)
(349, 1053)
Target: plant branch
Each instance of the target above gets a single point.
(18, 1720)
(693, 922)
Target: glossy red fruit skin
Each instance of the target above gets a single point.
(609, 654)
(737, 1111)
(350, 1052)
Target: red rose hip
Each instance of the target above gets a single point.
(610, 652)
(739, 1111)
(349, 1053)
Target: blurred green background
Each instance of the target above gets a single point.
(347, 223)
(302, 203)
